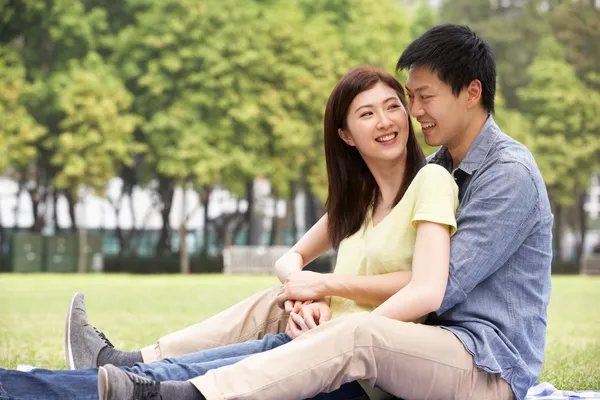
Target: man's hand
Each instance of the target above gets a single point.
(302, 286)
(309, 317)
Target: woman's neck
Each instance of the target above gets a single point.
(389, 177)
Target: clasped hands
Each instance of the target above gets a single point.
(303, 296)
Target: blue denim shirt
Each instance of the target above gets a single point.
(499, 284)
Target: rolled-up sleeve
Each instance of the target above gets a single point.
(497, 217)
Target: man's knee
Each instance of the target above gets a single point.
(363, 320)
(359, 324)
(368, 326)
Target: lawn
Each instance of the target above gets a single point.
(136, 310)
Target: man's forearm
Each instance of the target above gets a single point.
(372, 290)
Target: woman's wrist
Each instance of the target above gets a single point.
(330, 283)
(288, 264)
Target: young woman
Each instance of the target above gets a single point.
(386, 211)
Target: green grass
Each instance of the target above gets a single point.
(136, 310)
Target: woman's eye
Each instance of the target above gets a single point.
(366, 114)
(393, 106)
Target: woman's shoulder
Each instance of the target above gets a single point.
(433, 172)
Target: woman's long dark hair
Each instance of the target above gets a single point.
(352, 187)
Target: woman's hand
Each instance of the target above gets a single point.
(294, 306)
(309, 317)
(302, 286)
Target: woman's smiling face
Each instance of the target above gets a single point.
(377, 124)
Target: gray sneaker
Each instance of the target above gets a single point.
(83, 342)
(116, 384)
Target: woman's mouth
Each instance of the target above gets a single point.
(387, 138)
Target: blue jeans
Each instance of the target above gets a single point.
(83, 384)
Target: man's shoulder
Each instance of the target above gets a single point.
(512, 163)
(508, 151)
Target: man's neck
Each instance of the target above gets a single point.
(459, 150)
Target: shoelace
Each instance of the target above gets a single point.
(145, 389)
(103, 337)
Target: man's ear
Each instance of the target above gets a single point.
(346, 138)
(474, 91)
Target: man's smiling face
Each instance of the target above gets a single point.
(443, 115)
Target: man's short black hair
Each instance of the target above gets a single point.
(458, 56)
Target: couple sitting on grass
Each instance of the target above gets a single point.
(415, 308)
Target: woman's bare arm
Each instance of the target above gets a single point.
(425, 291)
(314, 243)
(372, 290)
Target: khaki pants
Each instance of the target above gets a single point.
(249, 319)
(411, 361)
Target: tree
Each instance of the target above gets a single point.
(368, 35)
(576, 26)
(566, 124)
(46, 35)
(96, 132)
(18, 130)
(513, 29)
(424, 18)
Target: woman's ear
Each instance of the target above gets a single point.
(346, 138)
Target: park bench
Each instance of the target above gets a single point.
(260, 259)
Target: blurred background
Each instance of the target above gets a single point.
(147, 136)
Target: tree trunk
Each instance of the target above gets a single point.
(557, 235)
(71, 202)
(184, 260)
(82, 261)
(17, 208)
(36, 205)
(2, 239)
(129, 249)
(310, 213)
(582, 228)
(291, 208)
(165, 191)
(205, 199)
(234, 224)
(118, 231)
(54, 216)
(274, 234)
(252, 239)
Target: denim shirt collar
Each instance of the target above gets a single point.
(477, 152)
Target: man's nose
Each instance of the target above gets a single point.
(416, 110)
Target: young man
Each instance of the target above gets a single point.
(487, 339)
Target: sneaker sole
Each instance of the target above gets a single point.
(68, 349)
(102, 384)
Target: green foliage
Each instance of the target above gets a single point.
(218, 95)
(424, 18)
(96, 133)
(577, 28)
(18, 130)
(565, 121)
